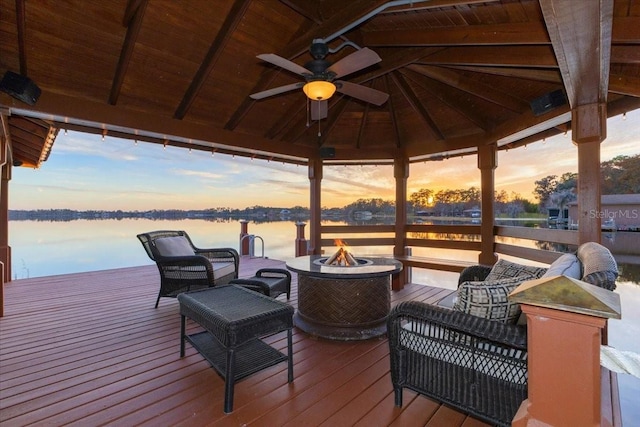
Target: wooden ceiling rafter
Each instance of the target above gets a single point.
(549, 76)
(447, 96)
(21, 24)
(481, 90)
(392, 111)
(304, 8)
(133, 24)
(414, 101)
(363, 122)
(233, 18)
(493, 56)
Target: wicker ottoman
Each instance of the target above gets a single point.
(268, 281)
(234, 319)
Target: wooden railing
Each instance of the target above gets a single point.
(460, 237)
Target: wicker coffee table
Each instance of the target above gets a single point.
(234, 319)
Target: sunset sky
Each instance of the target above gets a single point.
(84, 173)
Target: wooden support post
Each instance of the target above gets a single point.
(5, 249)
(487, 163)
(400, 173)
(301, 242)
(565, 319)
(315, 206)
(589, 124)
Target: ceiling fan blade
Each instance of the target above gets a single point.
(356, 61)
(276, 90)
(363, 93)
(284, 63)
(319, 109)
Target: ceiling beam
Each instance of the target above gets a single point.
(21, 25)
(234, 16)
(363, 123)
(580, 33)
(495, 34)
(410, 96)
(494, 56)
(392, 111)
(453, 98)
(67, 109)
(550, 76)
(625, 31)
(474, 87)
(129, 44)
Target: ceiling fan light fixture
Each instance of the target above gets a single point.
(319, 90)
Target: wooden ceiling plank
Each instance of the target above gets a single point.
(230, 23)
(127, 51)
(550, 76)
(486, 92)
(516, 33)
(625, 54)
(497, 56)
(624, 85)
(285, 120)
(583, 53)
(493, 34)
(415, 103)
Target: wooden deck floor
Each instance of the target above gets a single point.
(89, 349)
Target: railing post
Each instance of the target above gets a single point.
(301, 242)
(487, 163)
(565, 318)
(244, 231)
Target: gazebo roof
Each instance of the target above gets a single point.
(459, 74)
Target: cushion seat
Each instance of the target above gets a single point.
(268, 281)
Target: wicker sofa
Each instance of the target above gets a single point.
(477, 364)
(183, 266)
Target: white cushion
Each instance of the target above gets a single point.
(221, 269)
(174, 246)
(567, 265)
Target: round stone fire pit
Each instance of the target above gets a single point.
(343, 302)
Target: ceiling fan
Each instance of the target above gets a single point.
(321, 77)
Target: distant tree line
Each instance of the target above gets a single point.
(620, 175)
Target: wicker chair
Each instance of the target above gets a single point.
(184, 267)
(476, 365)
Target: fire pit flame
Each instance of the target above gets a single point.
(341, 257)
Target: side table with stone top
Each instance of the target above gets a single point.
(234, 319)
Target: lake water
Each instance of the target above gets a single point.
(44, 248)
